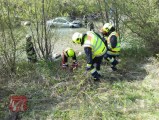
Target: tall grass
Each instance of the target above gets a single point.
(131, 93)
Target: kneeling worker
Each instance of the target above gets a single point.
(69, 52)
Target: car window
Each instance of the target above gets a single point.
(62, 21)
(56, 20)
(68, 19)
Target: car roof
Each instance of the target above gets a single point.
(66, 18)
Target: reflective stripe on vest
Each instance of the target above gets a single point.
(117, 48)
(94, 42)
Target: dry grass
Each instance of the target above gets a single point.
(131, 93)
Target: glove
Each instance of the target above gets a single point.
(64, 65)
(75, 64)
(89, 67)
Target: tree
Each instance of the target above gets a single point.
(9, 36)
(141, 17)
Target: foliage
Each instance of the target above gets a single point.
(143, 23)
(54, 93)
(10, 37)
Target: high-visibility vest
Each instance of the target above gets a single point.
(117, 48)
(93, 41)
(65, 51)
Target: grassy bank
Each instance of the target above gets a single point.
(131, 93)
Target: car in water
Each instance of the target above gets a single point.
(64, 22)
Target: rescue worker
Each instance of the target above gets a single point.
(113, 45)
(85, 20)
(69, 53)
(94, 49)
(31, 54)
(91, 26)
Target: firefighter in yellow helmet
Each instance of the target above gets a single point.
(112, 42)
(94, 49)
(69, 53)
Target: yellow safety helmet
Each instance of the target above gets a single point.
(70, 52)
(106, 28)
(76, 38)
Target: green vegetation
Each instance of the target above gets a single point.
(131, 93)
(53, 93)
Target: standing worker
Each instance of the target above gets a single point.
(85, 20)
(94, 49)
(112, 41)
(31, 54)
(91, 26)
(69, 52)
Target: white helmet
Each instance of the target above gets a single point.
(77, 37)
(107, 26)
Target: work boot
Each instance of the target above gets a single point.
(114, 63)
(65, 66)
(99, 74)
(95, 76)
(114, 68)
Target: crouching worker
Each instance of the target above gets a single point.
(69, 53)
(112, 41)
(94, 49)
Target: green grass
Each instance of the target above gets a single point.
(112, 99)
(131, 93)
